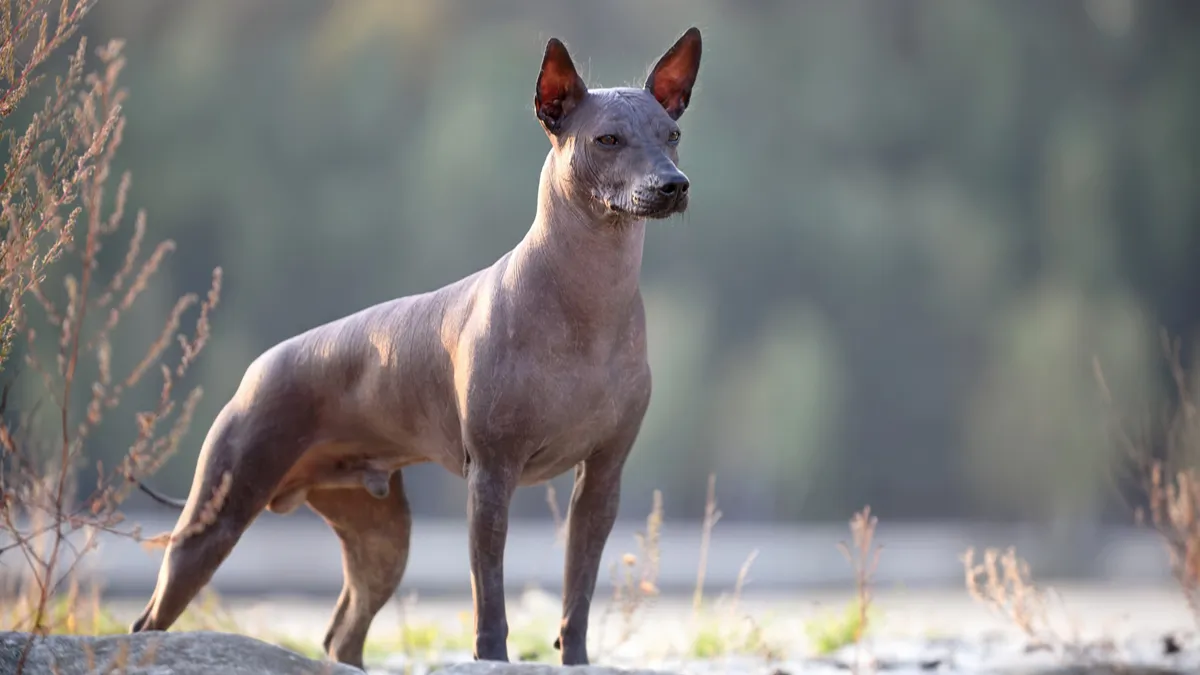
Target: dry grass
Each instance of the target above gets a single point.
(711, 516)
(1174, 505)
(560, 523)
(727, 630)
(417, 638)
(61, 315)
(1160, 454)
(635, 578)
(863, 556)
(635, 585)
(831, 633)
(42, 185)
(1003, 583)
(77, 611)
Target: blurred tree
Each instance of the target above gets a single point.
(913, 222)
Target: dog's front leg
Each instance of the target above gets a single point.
(489, 492)
(594, 502)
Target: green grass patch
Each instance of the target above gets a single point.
(831, 632)
(72, 618)
(306, 648)
(709, 642)
(534, 642)
(715, 637)
(423, 640)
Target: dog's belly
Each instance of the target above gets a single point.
(337, 465)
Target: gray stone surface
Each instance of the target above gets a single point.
(808, 668)
(155, 653)
(1138, 655)
(491, 668)
(194, 653)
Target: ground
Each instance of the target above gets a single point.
(935, 629)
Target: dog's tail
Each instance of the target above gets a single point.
(160, 497)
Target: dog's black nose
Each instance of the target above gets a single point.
(675, 187)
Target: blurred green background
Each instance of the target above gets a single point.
(913, 223)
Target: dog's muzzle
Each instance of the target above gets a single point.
(666, 199)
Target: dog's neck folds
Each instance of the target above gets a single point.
(592, 264)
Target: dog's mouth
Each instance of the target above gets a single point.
(659, 208)
(637, 207)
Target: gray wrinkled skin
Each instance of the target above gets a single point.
(619, 184)
(510, 376)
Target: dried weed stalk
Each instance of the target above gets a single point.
(54, 218)
(1003, 583)
(1161, 462)
(560, 524)
(635, 578)
(711, 516)
(730, 629)
(1174, 506)
(49, 162)
(863, 556)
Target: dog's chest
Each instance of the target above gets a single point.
(554, 411)
(572, 401)
(572, 424)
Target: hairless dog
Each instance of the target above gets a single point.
(507, 377)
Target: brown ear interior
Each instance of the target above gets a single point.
(672, 78)
(559, 87)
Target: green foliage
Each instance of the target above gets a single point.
(68, 616)
(831, 632)
(709, 643)
(720, 634)
(908, 219)
(421, 640)
(207, 612)
(307, 648)
(533, 640)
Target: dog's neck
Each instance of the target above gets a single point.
(590, 265)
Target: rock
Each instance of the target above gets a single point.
(1098, 668)
(497, 668)
(158, 653)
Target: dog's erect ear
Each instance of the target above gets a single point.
(673, 76)
(559, 87)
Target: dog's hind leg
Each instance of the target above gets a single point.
(233, 482)
(375, 537)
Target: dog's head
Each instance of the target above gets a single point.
(616, 150)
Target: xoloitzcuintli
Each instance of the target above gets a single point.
(508, 377)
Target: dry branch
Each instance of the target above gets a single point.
(54, 224)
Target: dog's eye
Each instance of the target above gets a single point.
(608, 139)
(673, 137)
